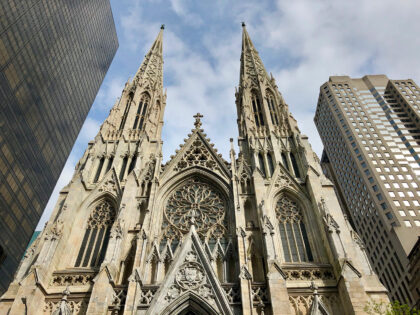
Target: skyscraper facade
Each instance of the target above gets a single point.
(53, 58)
(371, 134)
(261, 234)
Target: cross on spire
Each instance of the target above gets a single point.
(197, 122)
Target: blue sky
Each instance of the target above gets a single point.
(302, 42)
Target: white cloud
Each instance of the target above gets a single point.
(181, 8)
(302, 42)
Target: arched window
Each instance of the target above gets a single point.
(262, 166)
(126, 111)
(141, 112)
(270, 164)
(123, 167)
(95, 240)
(197, 201)
(272, 107)
(284, 159)
(111, 160)
(293, 234)
(99, 169)
(132, 164)
(256, 107)
(295, 165)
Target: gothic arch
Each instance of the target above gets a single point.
(97, 228)
(272, 106)
(294, 228)
(196, 171)
(190, 302)
(200, 181)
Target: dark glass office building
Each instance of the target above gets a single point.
(53, 58)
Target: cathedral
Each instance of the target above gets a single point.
(262, 233)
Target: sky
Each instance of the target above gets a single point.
(301, 42)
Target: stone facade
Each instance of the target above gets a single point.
(261, 234)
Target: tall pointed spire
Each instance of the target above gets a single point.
(252, 68)
(142, 102)
(151, 69)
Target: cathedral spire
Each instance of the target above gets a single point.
(151, 69)
(251, 65)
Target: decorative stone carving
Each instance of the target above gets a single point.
(119, 297)
(147, 294)
(259, 294)
(330, 224)
(102, 216)
(190, 276)
(302, 304)
(356, 238)
(287, 210)
(195, 203)
(55, 230)
(108, 186)
(245, 274)
(233, 294)
(78, 307)
(283, 181)
(197, 155)
(116, 231)
(308, 273)
(72, 279)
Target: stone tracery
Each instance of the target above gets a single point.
(195, 203)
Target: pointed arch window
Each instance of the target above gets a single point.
(272, 107)
(293, 234)
(256, 107)
(110, 162)
(284, 159)
(141, 111)
(126, 111)
(123, 167)
(99, 169)
(95, 240)
(295, 165)
(132, 164)
(262, 165)
(270, 163)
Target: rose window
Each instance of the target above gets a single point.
(195, 203)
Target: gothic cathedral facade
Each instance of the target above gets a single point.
(261, 234)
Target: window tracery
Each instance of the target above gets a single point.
(126, 111)
(95, 240)
(256, 107)
(141, 112)
(271, 106)
(293, 234)
(198, 203)
(197, 155)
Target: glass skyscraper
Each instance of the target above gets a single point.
(370, 128)
(53, 58)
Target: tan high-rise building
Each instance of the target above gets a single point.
(371, 134)
(260, 234)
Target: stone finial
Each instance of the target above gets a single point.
(314, 288)
(197, 122)
(64, 308)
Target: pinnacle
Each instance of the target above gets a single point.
(152, 65)
(251, 63)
